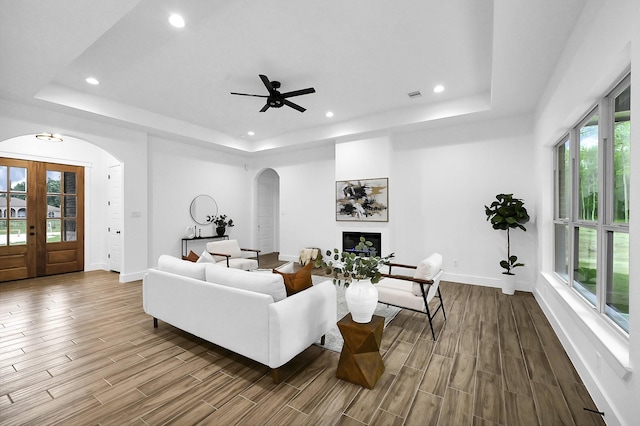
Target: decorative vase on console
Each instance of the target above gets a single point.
(221, 222)
(358, 271)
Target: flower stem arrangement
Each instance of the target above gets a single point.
(360, 264)
(222, 221)
(504, 214)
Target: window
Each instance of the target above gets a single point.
(591, 218)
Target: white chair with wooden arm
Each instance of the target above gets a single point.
(414, 292)
(229, 253)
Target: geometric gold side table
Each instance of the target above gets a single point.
(360, 361)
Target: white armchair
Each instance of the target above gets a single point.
(414, 292)
(229, 253)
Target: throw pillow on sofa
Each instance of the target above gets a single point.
(206, 257)
(191, 257)
(297, 281)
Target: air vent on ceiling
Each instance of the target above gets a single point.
(415, 94)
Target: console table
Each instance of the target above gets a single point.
(186, 241)
(360, 361)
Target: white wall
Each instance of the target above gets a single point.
(604, 43)
(179, 172)
(307, 196)
(439, 182)
(444, 177)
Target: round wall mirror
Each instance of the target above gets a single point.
(203, 209)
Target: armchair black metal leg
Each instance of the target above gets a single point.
(155, 322)
(433, 333)
(442, 304)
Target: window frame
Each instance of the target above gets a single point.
(605, 226)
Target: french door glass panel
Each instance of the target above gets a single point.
(62, 202)
(13, 206)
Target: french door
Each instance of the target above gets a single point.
(41, 219)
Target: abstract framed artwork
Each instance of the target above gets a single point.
(362, 200)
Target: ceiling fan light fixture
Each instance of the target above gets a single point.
(438, 89)
(49, 137)
(92, 81)
(176, 20)
(329, 114)
(251, 133)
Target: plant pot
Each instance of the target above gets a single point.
(508, 284)
(362, 299)
(220, 230)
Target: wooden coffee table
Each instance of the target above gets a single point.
(360, 361)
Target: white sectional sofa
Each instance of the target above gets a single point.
(245, 312)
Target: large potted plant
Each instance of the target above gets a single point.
(505, 214)
(357, 270)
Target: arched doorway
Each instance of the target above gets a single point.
(62, 159)
(267, 211)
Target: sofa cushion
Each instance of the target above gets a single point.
(229, 247)
(426, 270)
(297, 281)
(270, 284)
(181, 267)
(191, 257)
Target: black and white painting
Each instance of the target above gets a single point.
(363, 200)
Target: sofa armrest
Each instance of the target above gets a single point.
(298, 321)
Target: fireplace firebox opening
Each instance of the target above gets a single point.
(351, 239)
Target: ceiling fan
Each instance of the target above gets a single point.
(275, 99)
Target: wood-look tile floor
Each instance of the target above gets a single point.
(77, 349)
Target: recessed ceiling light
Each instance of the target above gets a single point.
(438, 89)
(92, 80)
(49, 137)
(250, 133)
(329, 114)
(176, 20)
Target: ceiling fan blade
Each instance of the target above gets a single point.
(294, 106)
(265, 107)
(248, 94)
(267, 83)
(299, 92)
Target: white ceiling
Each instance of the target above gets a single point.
(363, 57)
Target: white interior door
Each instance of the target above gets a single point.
(268, 188)
(115, 217)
